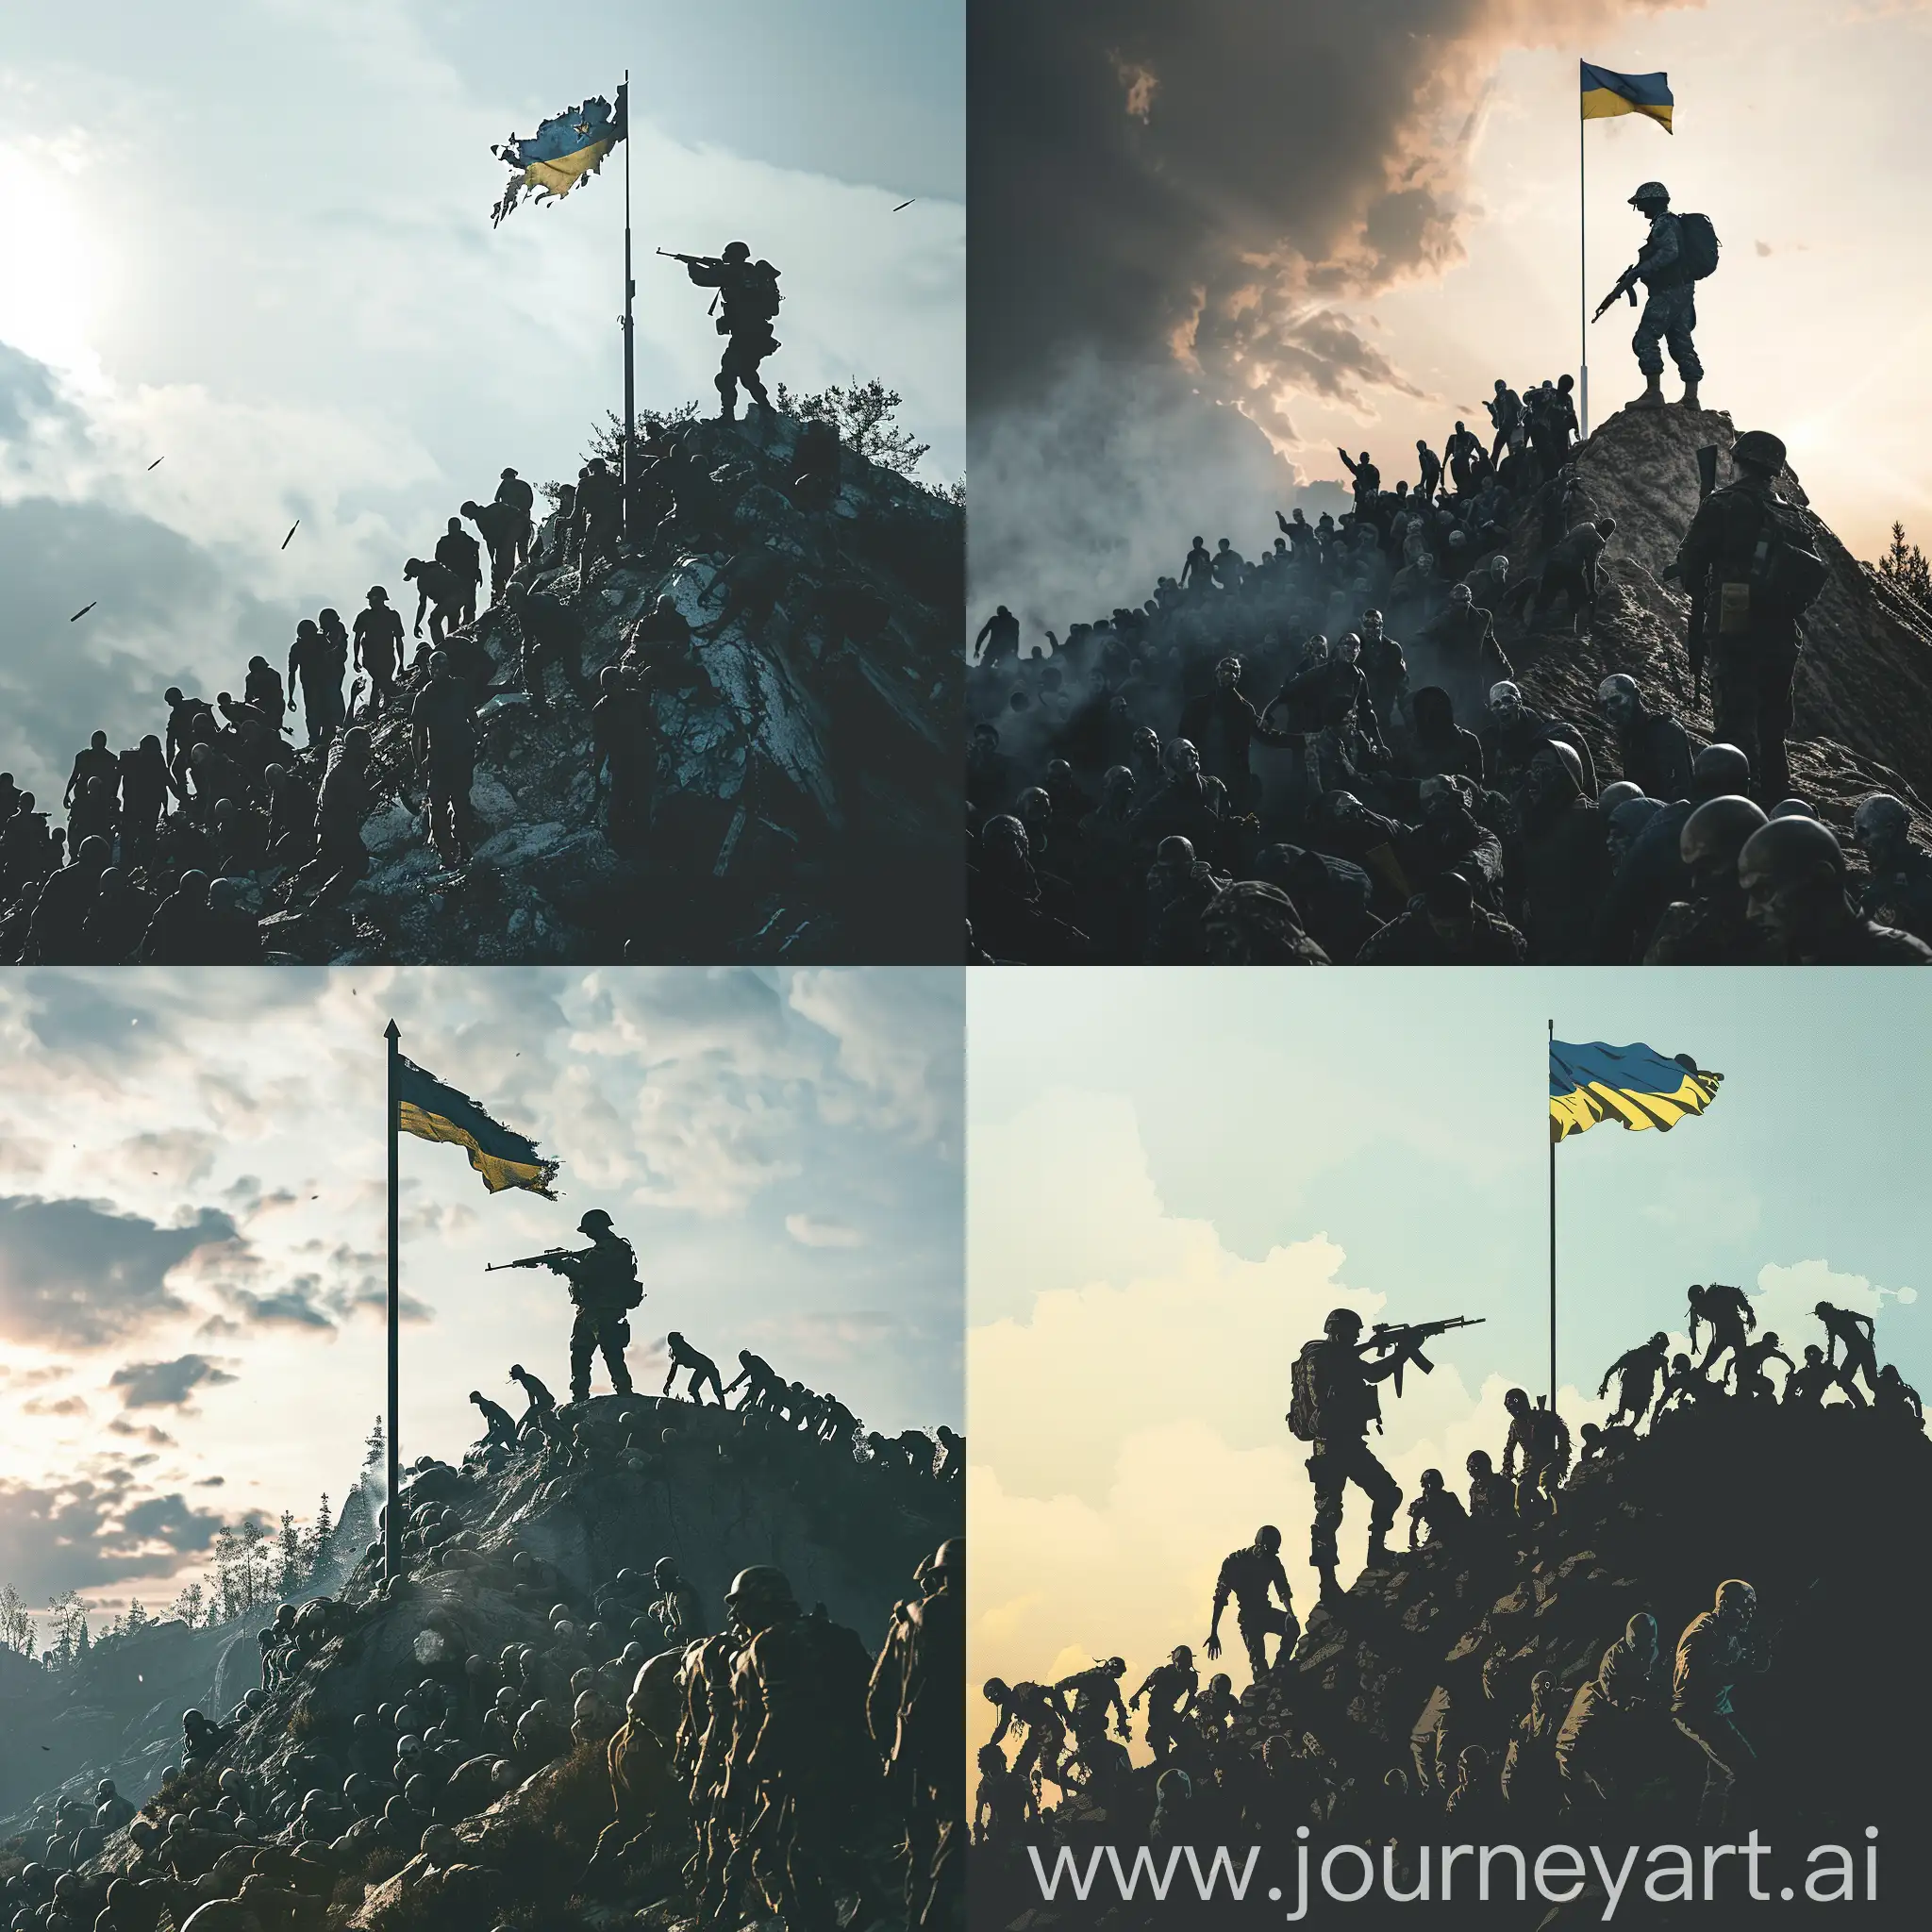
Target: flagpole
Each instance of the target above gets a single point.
(629, 290)
(1582, 287)
(392, 1524)
(1549, 1128)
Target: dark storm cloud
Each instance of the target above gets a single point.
(81, 1273)
(166, 1384)
(1171, 209)
(76, 1536)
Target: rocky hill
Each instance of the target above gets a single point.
(471, 1698)
(810, 756)
(1814, 1507)
(1863, 713)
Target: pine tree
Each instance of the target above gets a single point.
(138, 1619)
(191, 1604)
(375, 1449)
(16, 1622)
(226, 1594)
(1904, 566)
(316, 1544)
(290, 1565)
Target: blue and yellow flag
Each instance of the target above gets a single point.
(1636, 1085)
(1605, 93)
(431, 1111)
(563, 151)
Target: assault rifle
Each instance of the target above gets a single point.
(1405, 1340)
(548, 1258)
(701, 260)
(1626, 285)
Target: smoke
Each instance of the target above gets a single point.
(1174, 214)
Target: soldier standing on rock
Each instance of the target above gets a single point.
(749, 298)
(604, 1287)
(1670, 311)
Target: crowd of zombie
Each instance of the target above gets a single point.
(1363, 1722)
(760, 1760)
(1323, 756)
(172, 850)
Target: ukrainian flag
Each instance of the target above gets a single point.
(563, 151)
(431, 1111)
(1633, 1084)
(1605, 93)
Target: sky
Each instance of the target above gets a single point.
(1276, 228)
(192, 1273)
(251, 240)
(1154, 1229)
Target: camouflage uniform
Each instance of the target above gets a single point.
(603, 1284)
(1670, 309)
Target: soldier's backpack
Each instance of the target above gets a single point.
(1786, 572)
(1697, 245)
(1305, 1395)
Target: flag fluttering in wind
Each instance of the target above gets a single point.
(1605, 93)
(1636, 1085)
(431, 1111)
(563, 151)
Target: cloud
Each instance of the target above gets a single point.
(810, 1233)
(167, 1385)
(78, 1535)
(64, 1405)
(81, 1273)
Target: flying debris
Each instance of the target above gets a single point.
(82, 611)
(905, 204)
(157, 462)
(292, 528)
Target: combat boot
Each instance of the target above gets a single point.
(1691, 401)
(1653, 396)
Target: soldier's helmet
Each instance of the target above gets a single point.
(949, 1556)
(1623, 792)
(1267, 1538)
(1432, 1478)
(1735, 1598)
(1715, 833)
(1720, 770)
(759, 1589)
(1881, 816)
(593, 1221)
(1115, 1667)
(1651, 195)
(1759, 450)
(1343, 1325)
(1180, 1655)
(737, 251)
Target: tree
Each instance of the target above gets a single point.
(374, 1449)
(315, 1538)
(291, 1566)
(226, 1597)
(867, 418)
(138, 1619)
(16, 1622)
(256, 1556)
(1905, 568)
(191, 1604)
(69, 1621)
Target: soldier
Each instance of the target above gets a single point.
(96, 761)
(551, 635)
(998, 641)
(603, 1287)
(1717, 1646)
(1901, 881)
(1368, 480)
(1652, 747)
(1751, 554)
(924, 1765)
(1506, 413)
(505, 531)
(1726, 1311)
(1793, 874)
(1491, 1497)
(312, 659)
(1858, 1335)
(1033, 1707)
(1711, 927)
(1250, 1575)
(1593, 1743)
(542, 1405)
(342, 807)
(759, 1382)
(676, 1609)
(1639, 1374)
(1430, 465)
(1334, 1401)
(1746, 1366)
(457, 552)
(500, 1428)
(748, 299)
(511, 490)
(1808, 1384)
(1170, 1689)
(599, 513)
(1670, 309)
(443, 737)
(800, 1757)
(1541, 1438)
(1437, 1517)
(378, 646)
(1089, 1698)
(703, 1370)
